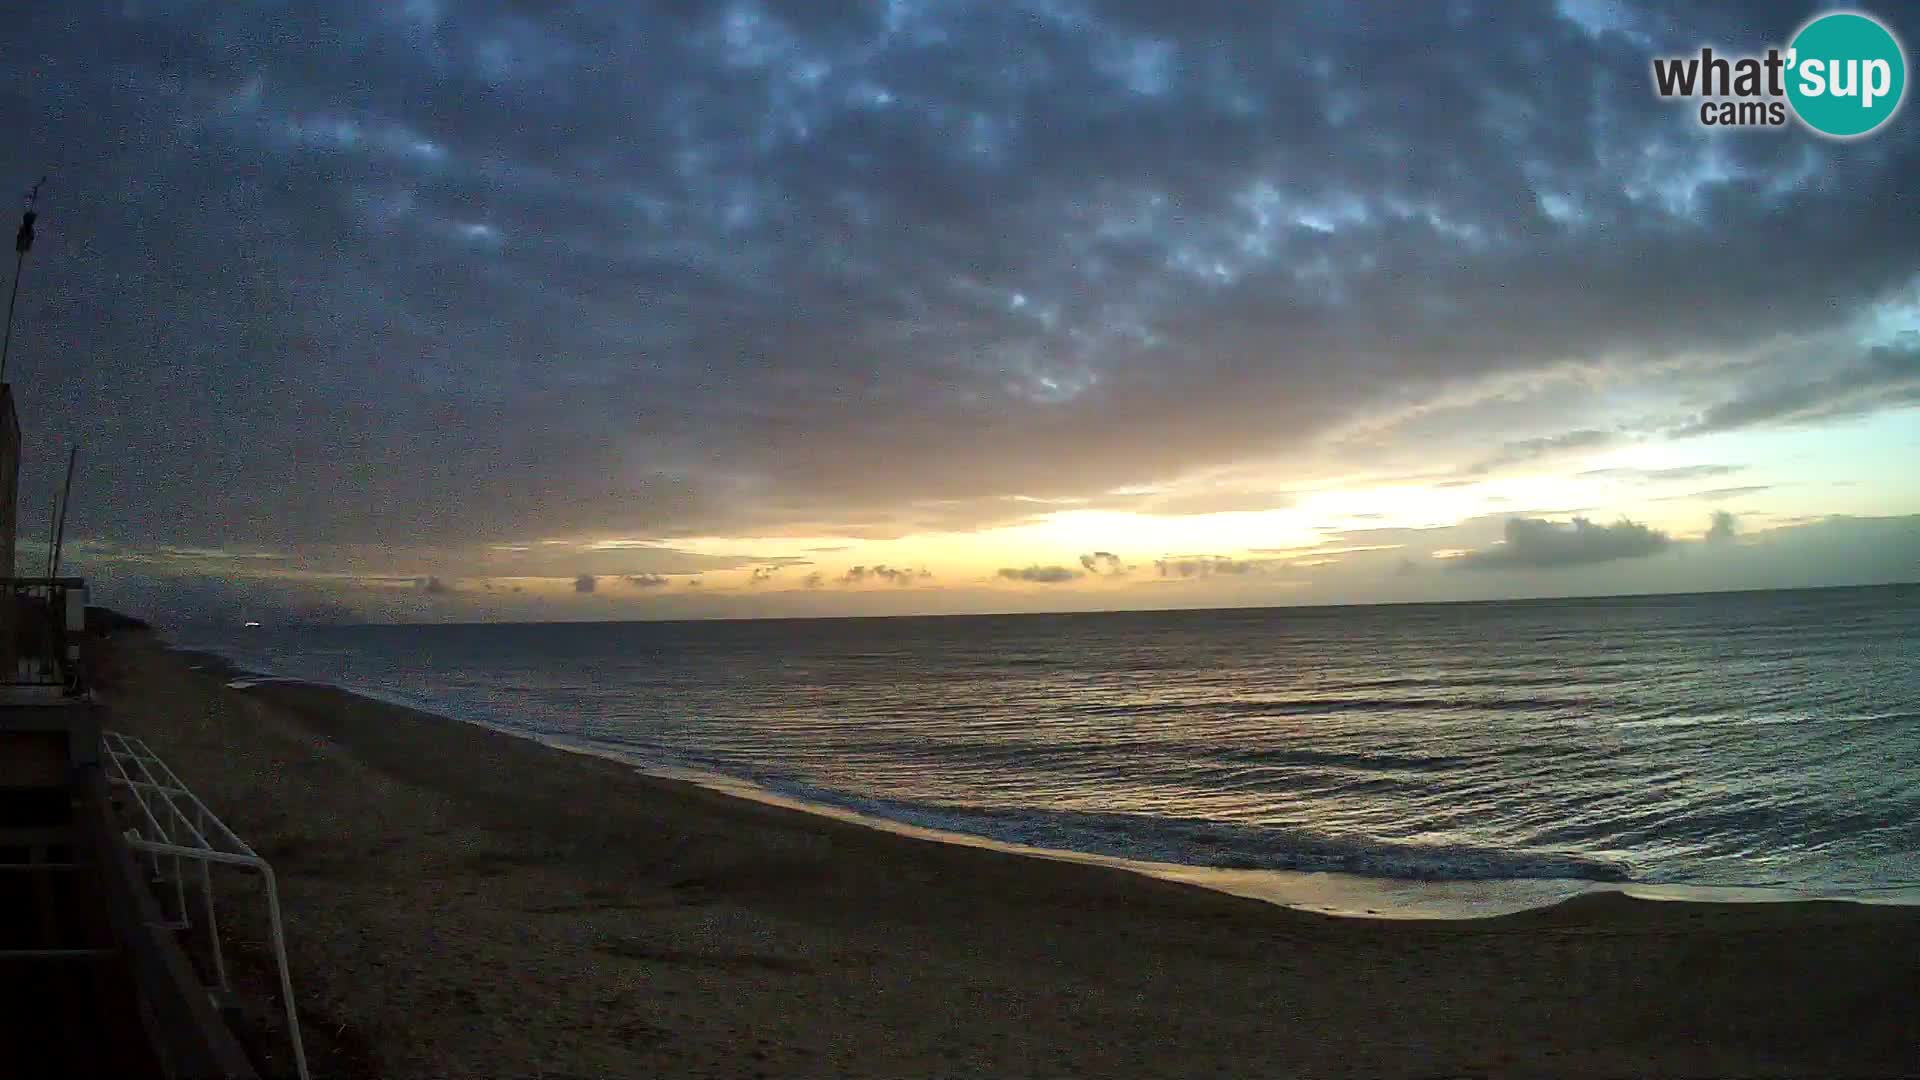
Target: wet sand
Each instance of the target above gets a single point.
(464, 903)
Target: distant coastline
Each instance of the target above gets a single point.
(296, 623)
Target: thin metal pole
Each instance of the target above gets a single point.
(66, 499)
(53, 523)
(19, 264)
(22, 243)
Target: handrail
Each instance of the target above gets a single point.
(187, 1031)
(164, 830)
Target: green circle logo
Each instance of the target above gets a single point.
(1846, 74)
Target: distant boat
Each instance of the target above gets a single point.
(251, 623)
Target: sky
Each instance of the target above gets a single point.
(423, 311)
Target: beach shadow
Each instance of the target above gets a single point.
(628, 948)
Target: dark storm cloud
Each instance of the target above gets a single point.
(439, 275)
(1539, 544)
(1885, 376)
(1041, 575)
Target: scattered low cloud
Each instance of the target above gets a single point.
(1682, 472)
(1527, 451)
(1104, 564)
(813, 580)
(1185, 504)
(1330, 548)
(1200, 566)
(1041, 575)
(585, 583)
(648, 581)
(1717, 494)
(1724, 527)
(1540, 544)
(433, 585)
(892, 575)
(762, 574)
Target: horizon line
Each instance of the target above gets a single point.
(1517, 600)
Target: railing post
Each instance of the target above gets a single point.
(286, 978)
(213, 929)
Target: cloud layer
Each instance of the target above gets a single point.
(431, 283)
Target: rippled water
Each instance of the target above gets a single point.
(1766, 739)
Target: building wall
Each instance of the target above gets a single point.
(9, 478)
(9, 509)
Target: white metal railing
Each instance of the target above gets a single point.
(173, 824)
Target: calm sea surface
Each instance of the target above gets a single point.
(1753, 739)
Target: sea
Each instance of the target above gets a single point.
(1421, 759)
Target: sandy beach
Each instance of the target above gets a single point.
(465, 903)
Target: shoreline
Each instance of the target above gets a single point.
(461, 901)
(1334, 893)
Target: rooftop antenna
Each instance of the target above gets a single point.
(22, 243)
(66, 501)
(53, 523)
